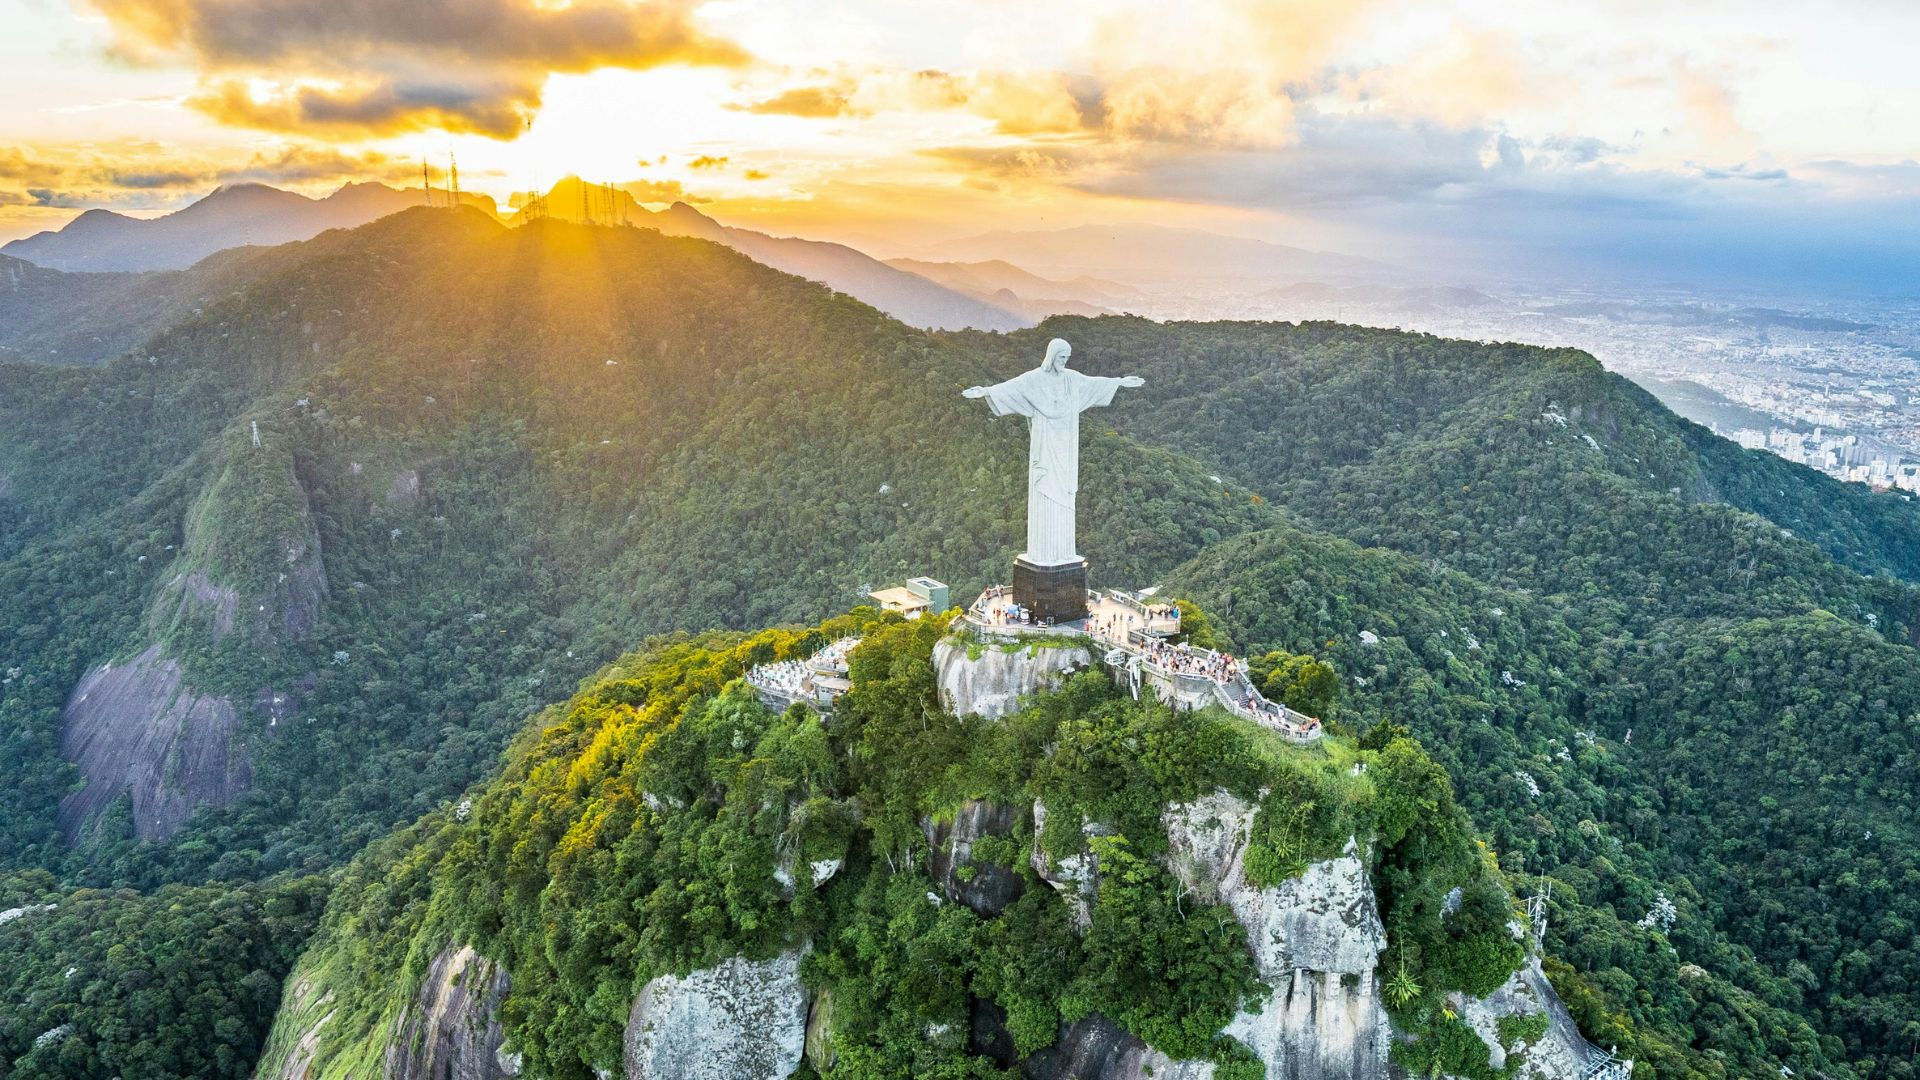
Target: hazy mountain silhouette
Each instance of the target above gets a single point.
(907, 296)
(232, 216)
(1005, 285)
(1155, 253)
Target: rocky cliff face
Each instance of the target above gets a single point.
(1076, 875)
(138, 727)
(1560, 1054)
(738, 1020)
(1315, 938)
(252, 558)
(453, 1030)
(992, 682)
(1098, 1049)
(1316, 941)
(294, 1060)
(982, 884)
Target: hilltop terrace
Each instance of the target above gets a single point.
(1133, 636)
(1137, 633)
(818, 681)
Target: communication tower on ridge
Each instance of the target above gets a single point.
(1537, 912)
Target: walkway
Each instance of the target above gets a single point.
(1136, 632)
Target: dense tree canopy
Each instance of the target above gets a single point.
(640, 833)
(518, 453)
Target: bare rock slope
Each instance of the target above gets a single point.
(738, 1020)
(453, 1030)
(990, 679)
(138, 727)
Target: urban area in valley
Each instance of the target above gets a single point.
(1833, 384)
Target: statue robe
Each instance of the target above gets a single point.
(1052, 402)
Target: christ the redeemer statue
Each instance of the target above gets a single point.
(1050, 577)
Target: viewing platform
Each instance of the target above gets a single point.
(1137, 634)
(817, 681)
(1111, 615)
(1132, 635)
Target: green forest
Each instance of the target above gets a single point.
(1661, 671)
(633, 836)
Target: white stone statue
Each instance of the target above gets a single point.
(1051, 397)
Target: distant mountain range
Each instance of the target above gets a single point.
(1153, 253)
(233, 216)
(997, 281)
(101, 241)
(1005, 285)
(906, 296)
(86, 318)
(1402, 297)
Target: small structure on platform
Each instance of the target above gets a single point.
(917, 597)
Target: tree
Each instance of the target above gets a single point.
(1298, 682)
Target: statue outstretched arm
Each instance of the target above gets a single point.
(974, 392)
(1131, 381)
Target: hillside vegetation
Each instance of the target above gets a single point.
(492, 460)
(182, 982)
(638, 830)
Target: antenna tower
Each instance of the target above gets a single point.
(1537, 913)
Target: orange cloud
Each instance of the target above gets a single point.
(658, 191)
(382, 68)
(1465, 79)
(817, 102)
(1034, 103)
(147, 175)
(1709, 106)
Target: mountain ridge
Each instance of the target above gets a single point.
(1155, 253)
(234, 215)
(909, 297)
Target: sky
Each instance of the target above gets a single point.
(1701, 138)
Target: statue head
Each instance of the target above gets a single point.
(1058, 352)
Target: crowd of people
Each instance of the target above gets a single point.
(786, 678)
(1227, 671)
(792, 680)
(996, 608)
(1181, 660)
(834, 656)
(1114, 628)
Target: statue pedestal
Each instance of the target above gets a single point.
(1057, 593)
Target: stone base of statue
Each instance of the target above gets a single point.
(1052, 593)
